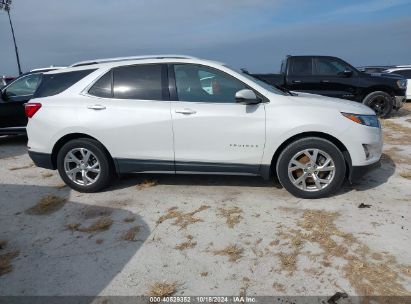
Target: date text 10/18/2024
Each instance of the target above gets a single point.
(235, 299)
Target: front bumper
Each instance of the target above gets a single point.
(356, 172)
(399, 101)
(42, 160)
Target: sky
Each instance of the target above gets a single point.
(252, 34)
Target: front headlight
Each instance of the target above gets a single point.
(402, 84)
(366, 120)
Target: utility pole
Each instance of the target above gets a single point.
(6, 5)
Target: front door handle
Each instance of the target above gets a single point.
(296, 81)
(325, 81)
(96, 107)
(186, 111)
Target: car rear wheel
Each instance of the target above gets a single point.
(311, 168)
(380, 102)
(84, 165)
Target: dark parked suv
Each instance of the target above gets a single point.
(13, 119)
(331, 76)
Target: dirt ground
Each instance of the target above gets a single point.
(205, 235)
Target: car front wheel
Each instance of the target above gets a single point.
(311, 168)
(380, 102)
(84, 165)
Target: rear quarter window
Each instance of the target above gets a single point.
(103, 86)
(53, 84)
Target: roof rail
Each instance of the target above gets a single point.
(105, 60)
(49, 68)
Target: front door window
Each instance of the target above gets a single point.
(197, 83)
(24, 86)
(330, 67)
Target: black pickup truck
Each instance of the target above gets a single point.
(13, 96)
(331, 76)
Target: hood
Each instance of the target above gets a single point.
(387, 75)
(341, 105)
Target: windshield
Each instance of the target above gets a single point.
(263, 84)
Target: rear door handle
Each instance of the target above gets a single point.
(96, 107)
(325, 80)
(186, 111)
(296, 81)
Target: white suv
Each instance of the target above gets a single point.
(152, 114)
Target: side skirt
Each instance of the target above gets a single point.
(135, 166)
(216, 167)
(125, 165)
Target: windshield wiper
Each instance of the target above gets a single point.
(282, 89)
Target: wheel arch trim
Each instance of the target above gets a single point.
(71, 136)
(268, 171)
(377, 88)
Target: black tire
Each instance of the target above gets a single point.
(102, 180)
(380, 102)
(335, 180)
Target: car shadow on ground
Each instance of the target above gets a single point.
(129, 180)
(404, 111)
(374, 178)
(11, 146)
(61, 252)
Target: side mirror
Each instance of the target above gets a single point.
(347, 73)
(2, 95)
(247, 96)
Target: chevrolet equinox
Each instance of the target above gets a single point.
(178, 114)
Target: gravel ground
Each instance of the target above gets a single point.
(205, 235)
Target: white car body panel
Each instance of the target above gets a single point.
(146, 125)
(408, 92)
(147, 128)
(219, 132)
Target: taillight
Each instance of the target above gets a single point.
(31, 108)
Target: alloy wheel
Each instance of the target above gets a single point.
(378, 104)
(82, 166)
(311, 170)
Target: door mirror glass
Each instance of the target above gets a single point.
(247, 96)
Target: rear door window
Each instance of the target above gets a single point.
(53, 84)
(301, 66)
(143, 82)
